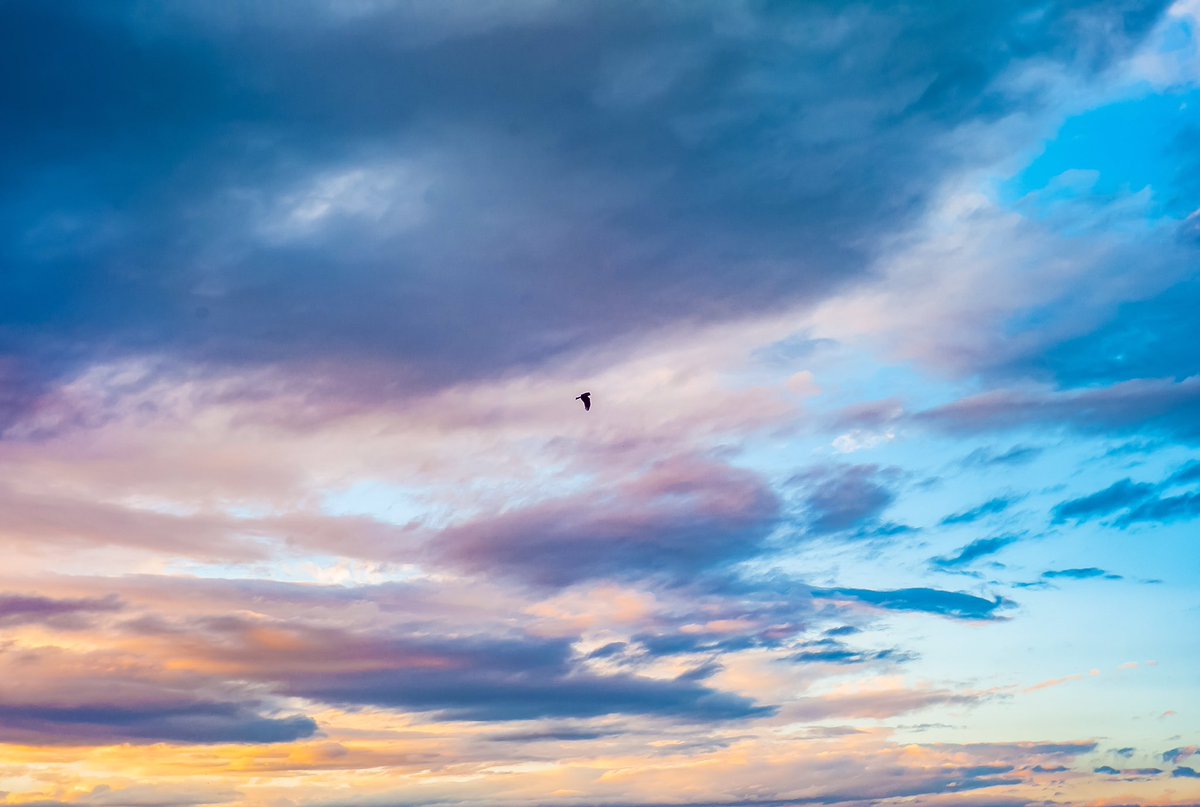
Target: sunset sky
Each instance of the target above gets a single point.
(888, 494)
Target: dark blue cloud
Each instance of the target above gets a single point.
(920, 600)
(523, 693)
(990, 507)
(1086, 573)
(1116, 496)
(979, 548)
(1164, 509)
(1185, 772)
(324, 192)
(1108, 770)
(1143, 501)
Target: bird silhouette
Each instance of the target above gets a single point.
(587, 401)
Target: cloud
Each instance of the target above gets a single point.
(462, 678)
(678, 139)
(1180, 753)
(831, 651)
(25, 609)
(1079, 574)
(954, 604)
(56, 697)
(554, 735)
(1116, 496)
(978, 548)
(840, 498)
(1184, 772)
(1128, 772)
(1142, 501)
(680, 518)
(1017, 455)
(1164, 509)
(183, 722)
(147, 795)
(1162, 405)
(877, 702)
(990, 507)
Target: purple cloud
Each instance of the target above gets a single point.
(24, 609)
(679, 519)
(1163, 405)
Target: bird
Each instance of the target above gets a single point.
(587, 401)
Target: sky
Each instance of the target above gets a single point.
(888, 494)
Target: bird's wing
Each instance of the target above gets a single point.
(587, 404)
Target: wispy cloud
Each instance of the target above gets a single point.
(988, 508)
(979, 548)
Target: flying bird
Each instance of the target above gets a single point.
(587, 401)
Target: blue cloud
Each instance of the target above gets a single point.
(188, 722)
(1142, 501)
(830, 651)
(1184, 772)
(990, 507)
(979, 548)
(1180, 753)
(1086, 573)
(841, 498)
(952, 604)
(1116, 496)
(1017, 455)
(1164, 509)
